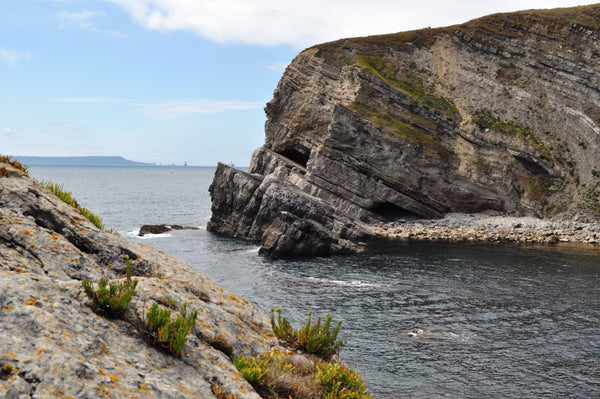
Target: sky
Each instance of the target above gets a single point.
(174, 81)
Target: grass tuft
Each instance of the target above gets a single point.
(317, 339)
(67, 198)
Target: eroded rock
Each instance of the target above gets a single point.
(500, 114)
(52, 343)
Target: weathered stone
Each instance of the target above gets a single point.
(162, 228)
(52, 343)
(497, 115)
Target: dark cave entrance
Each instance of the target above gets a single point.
(297, 156)
(392, 212)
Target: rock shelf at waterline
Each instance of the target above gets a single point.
(459, 227)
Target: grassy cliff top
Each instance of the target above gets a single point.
(556, 23)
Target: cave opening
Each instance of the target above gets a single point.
(393, 212)
(295, 155)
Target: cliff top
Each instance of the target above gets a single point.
(509, 25)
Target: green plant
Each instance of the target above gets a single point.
(339, 381)
(277, 374)
(217, 390)
(67, 198)
(317, 339)
(169, 335)
(112, 298)
(253, 369)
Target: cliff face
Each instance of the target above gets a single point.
(501, 113)
(53, 345)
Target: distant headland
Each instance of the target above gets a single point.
(79, 161)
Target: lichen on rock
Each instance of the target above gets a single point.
(54, 345)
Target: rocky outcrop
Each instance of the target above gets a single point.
(500, 114)
(162, 228)
(52, 343)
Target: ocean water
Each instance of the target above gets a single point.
(494, 321)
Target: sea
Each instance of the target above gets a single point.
(420, 320)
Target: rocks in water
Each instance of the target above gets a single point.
(54, 345)
(162, 228)
(363, 133)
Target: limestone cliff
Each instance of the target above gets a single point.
(53, 345)
(501, 113)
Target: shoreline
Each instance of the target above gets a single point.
(461, 227)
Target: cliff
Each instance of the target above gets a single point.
(500, 114)
(52, 344)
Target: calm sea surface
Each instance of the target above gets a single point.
(498, 321)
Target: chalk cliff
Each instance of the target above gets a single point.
(53, 345)
(499, 114)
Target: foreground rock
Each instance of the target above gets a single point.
(500, 114)
(53, 345)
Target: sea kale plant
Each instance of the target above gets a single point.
(112, 298)
(317, 339)
(166, 334)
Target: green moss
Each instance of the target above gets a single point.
(398, 127)
(405, 80)
(486, 120)
(409, 82)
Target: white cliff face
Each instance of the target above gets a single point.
(52, 343)
(500, 114)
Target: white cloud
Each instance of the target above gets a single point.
(184, 108)
(82, 19)
(12, 57)
(305, 22)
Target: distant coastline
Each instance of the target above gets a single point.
(79, 161)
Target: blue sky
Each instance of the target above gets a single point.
(169, 81)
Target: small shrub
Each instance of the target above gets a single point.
(112, 298)
(253, 369)
(14, 163)
(168, 335)
(315, 339)
(282, 375)
(339, 381)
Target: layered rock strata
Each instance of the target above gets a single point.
(53, 345)
(500, 114)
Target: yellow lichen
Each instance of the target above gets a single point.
(30, 302)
